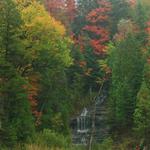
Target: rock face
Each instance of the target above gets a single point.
(94, 117)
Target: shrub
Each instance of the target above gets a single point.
(51, 139)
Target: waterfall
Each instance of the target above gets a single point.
(83, 129)
(82, 121)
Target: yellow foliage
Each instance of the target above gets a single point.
(35, 14)
(42, 32)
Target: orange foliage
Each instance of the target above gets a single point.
(82, 63)
(32, 96)
(148, 30)
(96, 19)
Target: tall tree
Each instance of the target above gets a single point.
(98, 21)
(17, 122)
(127, 65)
(50, 58)
(57, 9)
(71, 9)
(142, 112)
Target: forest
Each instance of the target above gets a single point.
(56, 56)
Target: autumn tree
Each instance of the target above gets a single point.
(54, 6)
(98, 19)
(89, 36)
(70, 9)
(96, 35)
(57, 9)
(49, 50)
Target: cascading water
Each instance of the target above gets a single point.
(82, 124)
(81, 127)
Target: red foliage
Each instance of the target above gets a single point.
(63, 10)
(100, 14)
(56, 8)
(70, 9)
(97, 18)
(148, 28)
(54, 5)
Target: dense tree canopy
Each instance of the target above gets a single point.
(54, 57)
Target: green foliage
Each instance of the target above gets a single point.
(120, 10)
(36, 52)
(17, 121)
(126, 64)
(10, 48)
(141, 18)
(107, 144)
(142, 111)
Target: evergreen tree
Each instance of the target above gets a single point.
(17, 124)
(126, 65)
(142, 111)
(141, 19)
